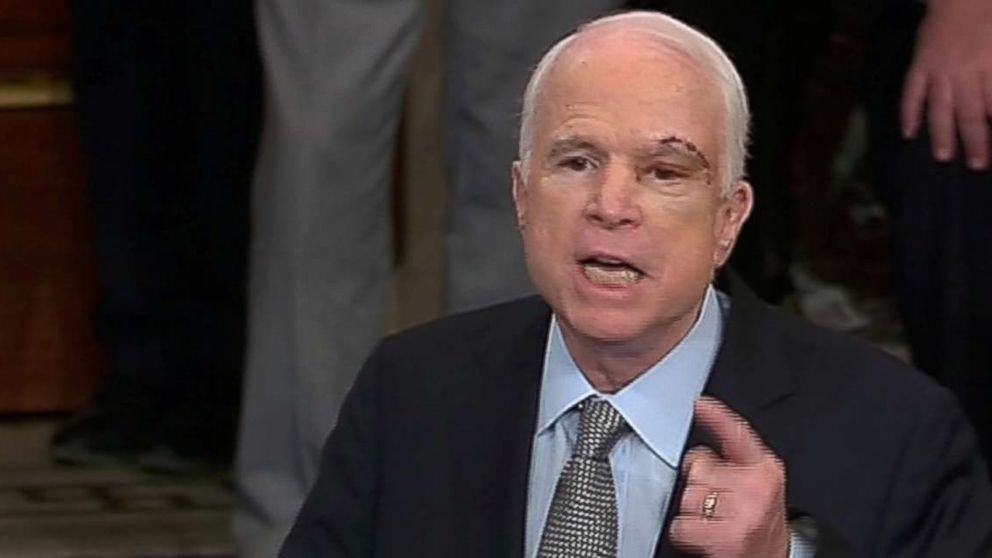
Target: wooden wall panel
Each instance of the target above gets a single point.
(49, 359)
(34, 35)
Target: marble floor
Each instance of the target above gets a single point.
(52, 511)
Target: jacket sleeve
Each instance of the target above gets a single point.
(338, 516)
(940, 499)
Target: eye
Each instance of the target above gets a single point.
(664, 173)
(576, 163)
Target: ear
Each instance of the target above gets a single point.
(519, 194)
(731, 215)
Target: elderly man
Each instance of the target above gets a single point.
(571, 425)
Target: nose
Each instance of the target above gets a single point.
(612, 201)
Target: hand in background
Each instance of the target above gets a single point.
(950, 80)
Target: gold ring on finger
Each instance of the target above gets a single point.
(709, 505)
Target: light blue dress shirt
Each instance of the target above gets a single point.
(658, 407)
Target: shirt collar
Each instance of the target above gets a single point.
(658, 404)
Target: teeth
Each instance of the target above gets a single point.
(610, 277)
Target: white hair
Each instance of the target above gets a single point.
(684, 39)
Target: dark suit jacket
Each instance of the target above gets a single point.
(431, 453)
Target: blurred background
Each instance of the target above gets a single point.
(51, 359)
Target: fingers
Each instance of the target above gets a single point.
(914, 93)
(958, 110)
(690, 534)
(987, 90)
(940, 116)
(962, 109)
(699, 465)
(972, 122)
(735, 440)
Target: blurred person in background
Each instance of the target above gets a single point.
(929, 106)
(335, 72)
(167, 100)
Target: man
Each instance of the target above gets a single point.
(571, 424)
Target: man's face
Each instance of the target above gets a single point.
(620, 206)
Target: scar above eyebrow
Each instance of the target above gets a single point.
(680, 146)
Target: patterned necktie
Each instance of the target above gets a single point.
(582, 520)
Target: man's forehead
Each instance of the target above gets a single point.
(643, 68)
(618, 46)
(636, 83)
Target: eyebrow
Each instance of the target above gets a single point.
(684, 151)
(570, 144)
(674, 146)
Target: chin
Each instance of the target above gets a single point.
(605, 325)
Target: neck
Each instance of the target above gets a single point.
(611, 365)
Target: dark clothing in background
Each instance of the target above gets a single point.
(772, 44)
(941, 247)
(167, 99)
(941, 214)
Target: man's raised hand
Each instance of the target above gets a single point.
(733, 505)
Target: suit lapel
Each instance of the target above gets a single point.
(750, 375)
(665, 549)
(492, 420)
(494, 411)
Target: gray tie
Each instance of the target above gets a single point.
(582, 520)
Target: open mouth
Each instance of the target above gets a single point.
(610, 272)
